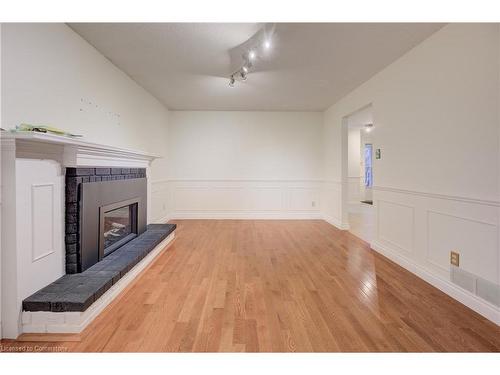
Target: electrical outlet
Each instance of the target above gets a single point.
(455, 258)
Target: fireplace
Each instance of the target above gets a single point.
(105, 209)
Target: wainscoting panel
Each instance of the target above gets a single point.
(475, 241)
(418, 231)
(244, 199)
(159, 201)
(331, 204)
(42, 215)
(396, 224)
(39, 224)
(304, 198)
(265, 198)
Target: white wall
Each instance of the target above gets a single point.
(245, 145)
(436, 116)
(53, 76)
(245, 164)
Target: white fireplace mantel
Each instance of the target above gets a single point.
(32, 200)
(74, 152)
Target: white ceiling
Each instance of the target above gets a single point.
(311, 66)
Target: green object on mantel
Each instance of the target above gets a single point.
(43, 129)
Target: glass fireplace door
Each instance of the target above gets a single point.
(118, 225)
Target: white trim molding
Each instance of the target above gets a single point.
(337, 223)
(495, 203)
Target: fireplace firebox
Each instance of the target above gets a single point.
(117, 225)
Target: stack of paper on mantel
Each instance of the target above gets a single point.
(44, 129)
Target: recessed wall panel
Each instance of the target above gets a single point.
(474, 240)
(42, 209)
(396, 225)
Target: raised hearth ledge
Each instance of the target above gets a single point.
(75, 321)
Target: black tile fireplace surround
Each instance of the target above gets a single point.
(87, 191)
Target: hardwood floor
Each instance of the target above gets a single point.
(277, 286)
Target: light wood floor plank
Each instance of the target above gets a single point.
(276, 286)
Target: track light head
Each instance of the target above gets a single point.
(243, 75)
(252, 55)
(267, 44)
(231, 81)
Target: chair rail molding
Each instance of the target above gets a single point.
(486, 202)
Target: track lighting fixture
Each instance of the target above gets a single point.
(368, 127)
(251, 56)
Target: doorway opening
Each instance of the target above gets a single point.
(359, 174)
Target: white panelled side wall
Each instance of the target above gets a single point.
(437, 184)
(244, 164)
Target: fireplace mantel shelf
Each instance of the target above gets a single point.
(73, 152)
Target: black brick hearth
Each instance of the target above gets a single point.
(77, 292)
(74, 178)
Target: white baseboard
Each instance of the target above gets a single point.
(486, 309)
(335, 222)
(242, 215)
(254, 216)
(163, 220)
(76, 322)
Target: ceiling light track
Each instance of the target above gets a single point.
(251, 56)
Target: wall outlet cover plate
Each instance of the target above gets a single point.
(455, 258)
